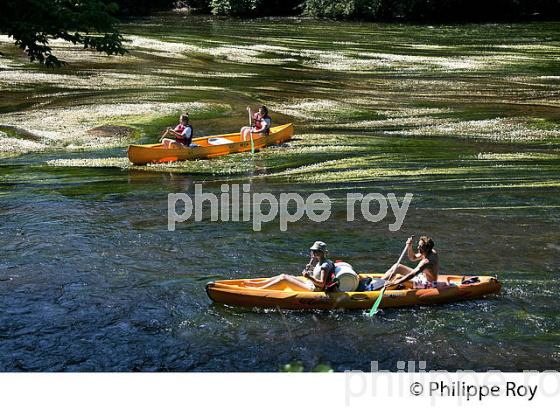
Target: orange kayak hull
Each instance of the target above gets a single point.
(236, 293)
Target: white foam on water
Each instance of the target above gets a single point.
(246, 55)
(370, 61)
(316, 109)
(7, 64)
(162, 48)
(206, 74)
(530, 47)
(413, 62)
(112, 162)
(335, 61)
(548, 77)
(420, 46)
(496, 129)
(517, 156)
(20, 146)
(250, 54)
(271, 49)
(66, 127)
(398, 122)
(413, 111)
(91, 80)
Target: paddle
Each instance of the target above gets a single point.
(373, 310)
(309, 267)
(251, 130)
(164, 134)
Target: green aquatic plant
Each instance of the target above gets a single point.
(111, 162)
(388, 110)
(496, 129)
(294, 367)
(70, 128)
(518, 156)
(320, 110)
(298, 367)
(323, 368)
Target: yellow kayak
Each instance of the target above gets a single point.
(208, 147)
(451, 288)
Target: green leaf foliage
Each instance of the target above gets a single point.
(254, 8)
(32, 23)
(387, 10)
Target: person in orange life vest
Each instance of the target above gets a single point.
(318, 274)
(181, 135)
(261, 124)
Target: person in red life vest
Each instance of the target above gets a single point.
(181, 135)
(260, 124)
(319, 274)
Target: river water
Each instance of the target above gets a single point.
(463, 117)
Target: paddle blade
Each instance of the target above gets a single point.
(375, 306)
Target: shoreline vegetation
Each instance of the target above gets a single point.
(416, 11)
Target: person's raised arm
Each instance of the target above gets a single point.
(308, 268)
(413, 257)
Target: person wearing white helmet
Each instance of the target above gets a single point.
(318, 273)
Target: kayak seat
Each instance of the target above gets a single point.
(470, 281)
(219, 141)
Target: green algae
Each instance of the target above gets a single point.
(370, 102)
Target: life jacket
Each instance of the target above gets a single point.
(179, 129)
(331, 283)
(258, 121)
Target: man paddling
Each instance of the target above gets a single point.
(425, 274)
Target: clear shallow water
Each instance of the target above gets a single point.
(91, 280)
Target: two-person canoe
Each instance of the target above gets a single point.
(208, 147)
(450, 288)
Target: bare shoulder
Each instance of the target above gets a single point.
(433, 256)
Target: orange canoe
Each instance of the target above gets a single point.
(450, 289)
(208, 147)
